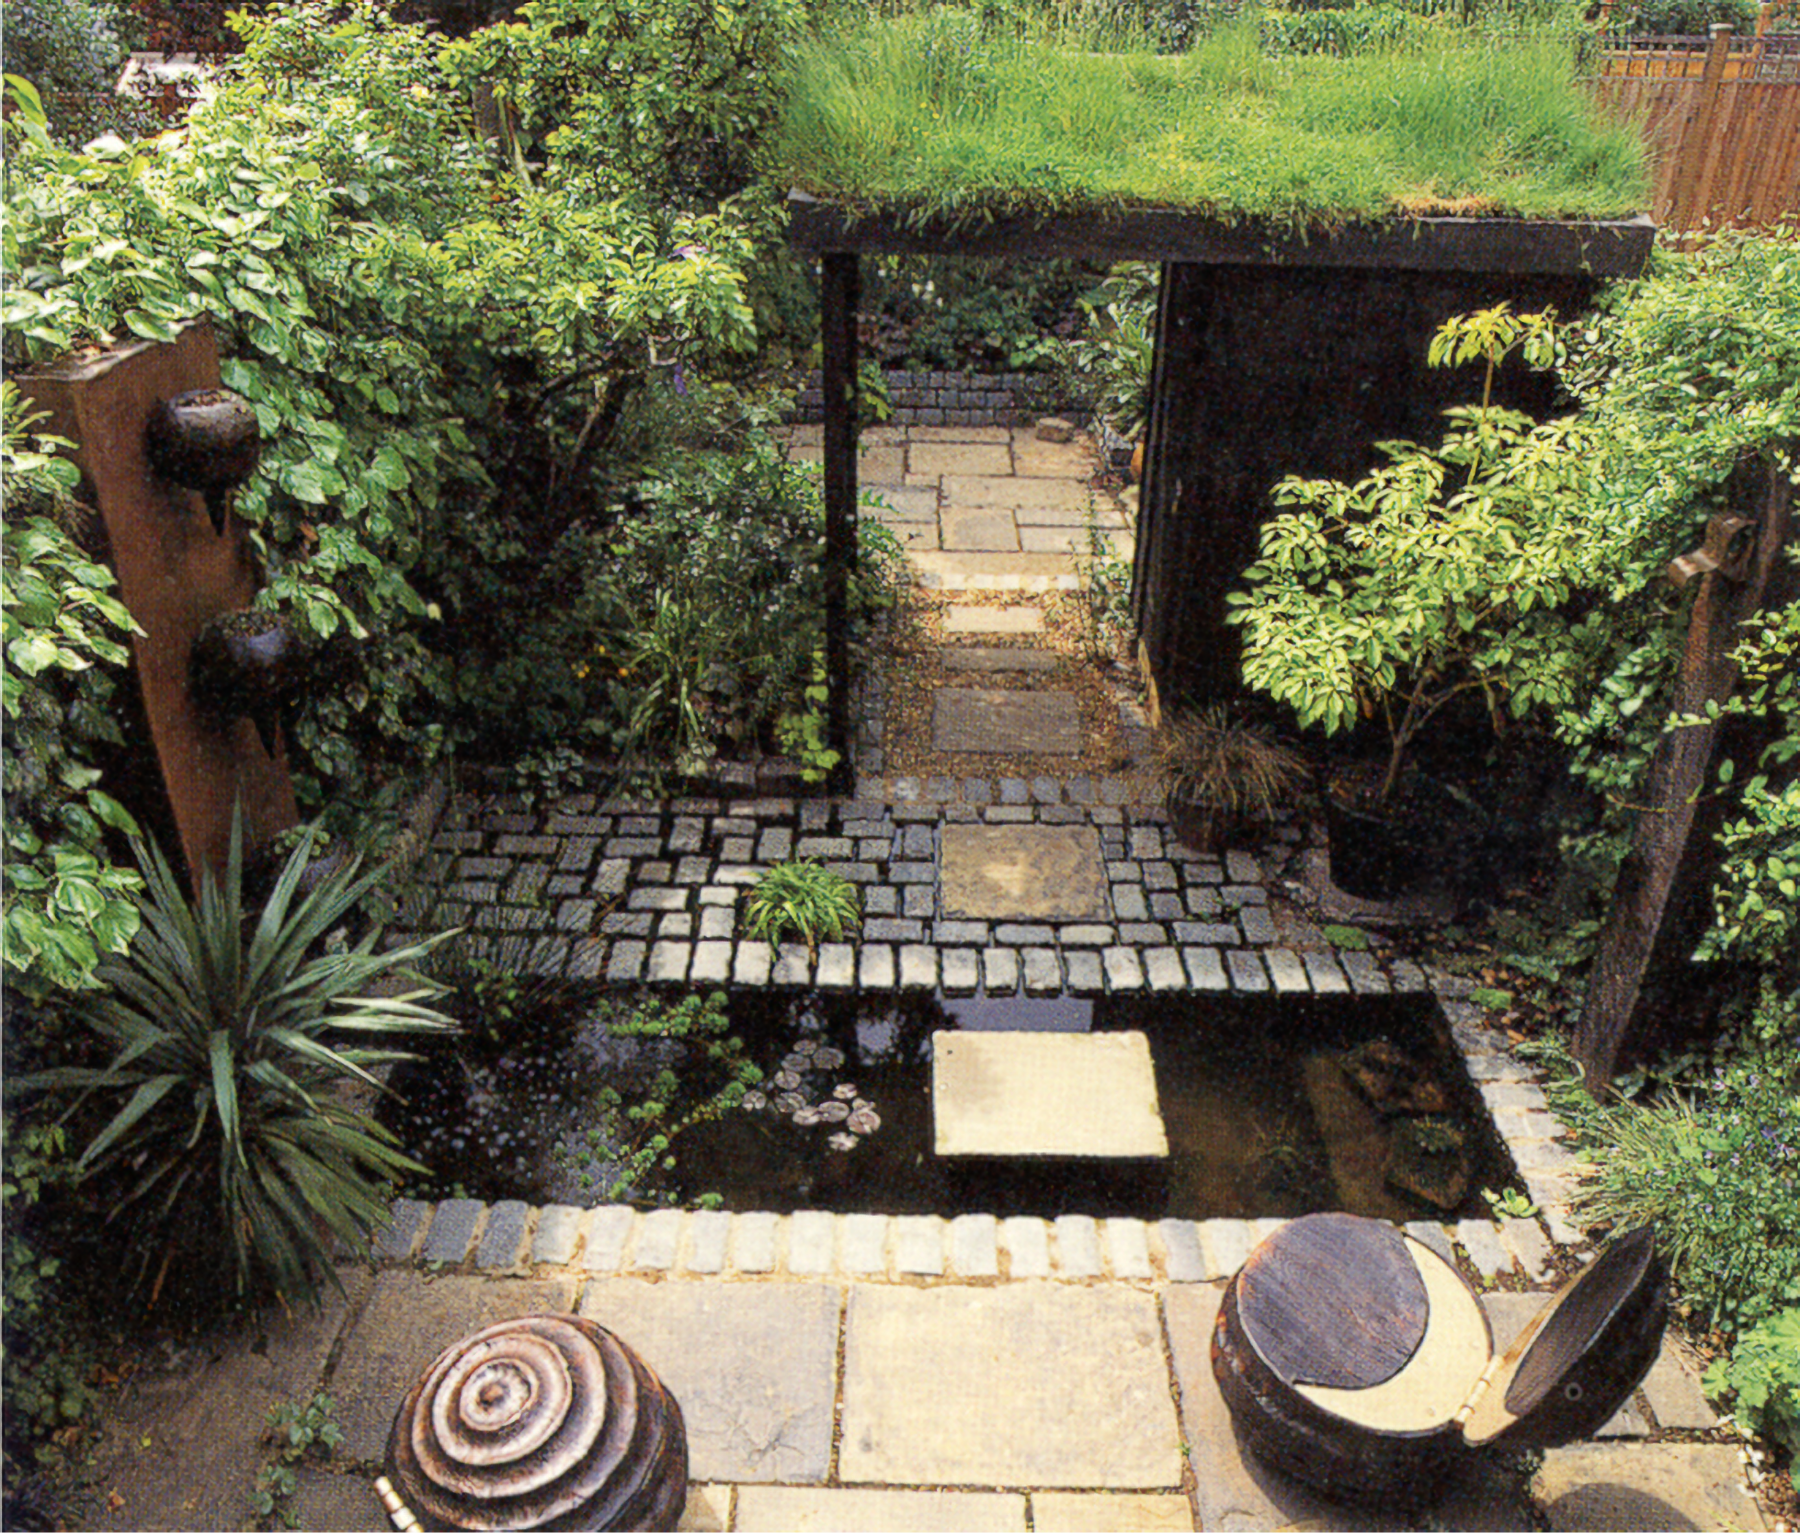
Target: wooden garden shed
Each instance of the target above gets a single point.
(1275, 352)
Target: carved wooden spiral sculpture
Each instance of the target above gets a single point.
(547, 1421)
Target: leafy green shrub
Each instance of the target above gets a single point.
(1716, 1167)
(1109, 360)
(230, 1031)
(62, 633)
(1762, 1373)
(72, 51)
(805, 898)
(1432, 576)
(297, 1433)
(1357, 29)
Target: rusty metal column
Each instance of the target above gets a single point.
(840, 280)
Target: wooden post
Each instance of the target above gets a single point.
(838, 297)
(1734, 570)
(1697, 132)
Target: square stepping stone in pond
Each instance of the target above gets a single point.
(1022, 872)
(1088, 1095)
(1006, 723)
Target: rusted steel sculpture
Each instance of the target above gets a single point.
(547, 1421)
(1360, 1362)
(157, 437)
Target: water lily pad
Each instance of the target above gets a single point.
(806, 1046)
(834, 1112)
(843, 1141)
(827, 1058)
(790, 1101)
(755, 1101)
(787, 1080)
(846, 1092)
(864, 1120)
(806, 1117)
(795, 1061)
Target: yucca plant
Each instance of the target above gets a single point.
(229, 1029)
(803, 897)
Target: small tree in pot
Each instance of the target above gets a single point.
(1431, 577)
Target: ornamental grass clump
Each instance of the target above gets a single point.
(234, 1033)
(805, 898)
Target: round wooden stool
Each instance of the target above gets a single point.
(1360, 1362)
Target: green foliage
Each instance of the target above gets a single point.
(1714, 1163)
(1509, 1203)
(631, 1143)
(1762, 1373)
(1349, 939)
(1357, 29)
(938, 115)
(49, 1340)
(804, 898)
(71, 51)
(1110, 359)
(296, 1433)
(1494, 1000)
(1687, 373)
(233, 1140)
(62, 633)
(1433, 576)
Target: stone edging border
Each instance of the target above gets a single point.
(953, 398)
(512, 1237)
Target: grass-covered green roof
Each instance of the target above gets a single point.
(936, 115)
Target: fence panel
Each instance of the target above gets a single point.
(1722, 117)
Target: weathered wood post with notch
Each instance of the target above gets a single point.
(1734, 569)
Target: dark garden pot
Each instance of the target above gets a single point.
(251, 664)
(1196, 827)
(207, 440)
(1383, 851)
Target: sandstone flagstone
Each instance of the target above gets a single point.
(1042, 872)
(752, 1364)
(1030, 1384)
(991, 721)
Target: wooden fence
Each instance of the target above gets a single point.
(1722, 116)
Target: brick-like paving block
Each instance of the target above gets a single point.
(1026, 1384)
(794, 1509)
(995, 721)
(753, 1365)
(1023, 872)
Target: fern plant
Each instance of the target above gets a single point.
(802, 897)
(233, 1037)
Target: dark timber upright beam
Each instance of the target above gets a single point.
(838, 297)
(1727, 598)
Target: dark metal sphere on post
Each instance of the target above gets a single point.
(546, 1421)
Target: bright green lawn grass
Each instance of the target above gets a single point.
(932, 115)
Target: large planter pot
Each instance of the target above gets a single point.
(207, 440)
(250, 663)
(1385, 850)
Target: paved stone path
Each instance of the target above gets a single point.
(864, 1371)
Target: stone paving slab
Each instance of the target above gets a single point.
(1024, 619)
(976, 531)
(1055, 1511)
(1024, 872)
(982, 657)
(1088, 1095)
(410, 1318)
(1029, 1384)
(991, 490)
(926, 459)
(788, 1509)
(990, 721)
(1600, 1487)
(754, 1366)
